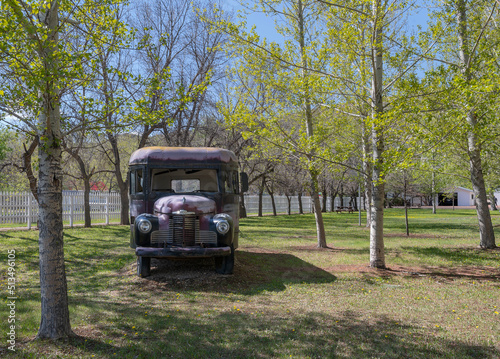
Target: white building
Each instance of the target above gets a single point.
(463, 197)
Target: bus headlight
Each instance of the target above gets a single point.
(222, 226)
(223, 223)
(144, 226)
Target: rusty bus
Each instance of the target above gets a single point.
(184, 202)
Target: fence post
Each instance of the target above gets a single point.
(70, 195)
(107, 209)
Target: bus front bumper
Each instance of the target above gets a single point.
(182, 252)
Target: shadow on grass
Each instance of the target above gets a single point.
(241, 334)
(122, 231)
(459, 256)
(41, 348)
(332, 249)
(253, 273)
(433, 227)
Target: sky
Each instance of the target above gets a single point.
(265, 24)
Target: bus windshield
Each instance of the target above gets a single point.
(184, 180)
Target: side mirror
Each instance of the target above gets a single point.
(244, 182)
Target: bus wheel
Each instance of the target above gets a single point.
(143, 266)
(225, 265)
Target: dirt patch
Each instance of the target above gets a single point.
(261, 267)
(412, 235)
(314, 248)
(260, 250)
(199, 273)
(449, 273)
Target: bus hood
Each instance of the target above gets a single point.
(184, 203)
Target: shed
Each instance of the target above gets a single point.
(465, 196)
(458, 196)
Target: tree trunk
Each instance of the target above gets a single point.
(406, 220)
(486, 234)
(289, 204)
(28, 169)
(493, 200)
(341, 195)
(367, 177)
(55, 322)
(320, 226)
(122, 185)
(261, 193)
(243, 209)
(86, 203)
(377, 251)
(86, 183)
(259, 212)
(124, 211)
(308, 117)
(273, 204)
(406, 206)
(299, 198)
(333, 195)
(53, 288)
(433, 190)
(324, 198)
(271, 194)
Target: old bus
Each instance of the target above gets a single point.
(184, 202)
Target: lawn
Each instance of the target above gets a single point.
(439, 297)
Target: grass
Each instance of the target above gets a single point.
(440, 297)
(24, 225)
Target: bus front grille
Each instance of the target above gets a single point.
(183, 231)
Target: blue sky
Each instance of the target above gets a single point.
(265, 24)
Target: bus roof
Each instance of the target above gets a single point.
(164, 155)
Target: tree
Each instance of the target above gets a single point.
(44, 43)
(4, 139)
(19, 164)
(159, 87)
(466, 55)
(77, 150)
(39, 64)
(467, 35)
(280, 88)
(363, 39)
(180, 60)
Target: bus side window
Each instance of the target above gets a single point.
(139, 181)
(231, 182)
(236, 182)
(132, 182)
(136, 181)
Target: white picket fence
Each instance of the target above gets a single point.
(252, 204)
(22, 208)
(281, 202)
